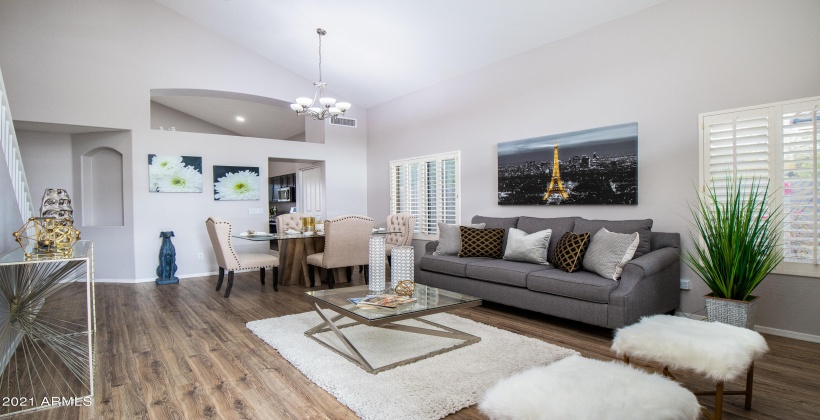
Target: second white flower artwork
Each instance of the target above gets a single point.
(170, 174)
(232, 183)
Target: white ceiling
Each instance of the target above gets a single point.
(378, 50)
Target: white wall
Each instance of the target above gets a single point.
(47, 159)
(113, 237)
(94, 63)
(167, 118)
(660, 68)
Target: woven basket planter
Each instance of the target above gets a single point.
(739, 313)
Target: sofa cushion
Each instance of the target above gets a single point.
(481, 242)
(643, 227)
(511, 273)
(581, 285)
(446, 264)
(570, 251)
(496, 222)
(609, 252)
(449, 238)
(527, 247)
(558, 225)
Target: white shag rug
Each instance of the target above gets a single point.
(430, 388)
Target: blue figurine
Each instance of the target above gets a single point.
(167, 260)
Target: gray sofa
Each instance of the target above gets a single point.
(649, 284)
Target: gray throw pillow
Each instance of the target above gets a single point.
(449, 238)
(609, 252)
(643, 227)
(527, 248)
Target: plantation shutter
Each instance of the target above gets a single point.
(800, 184)
(736, 144)
(779, 142)
(426, 187)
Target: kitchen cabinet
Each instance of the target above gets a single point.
(277, 182)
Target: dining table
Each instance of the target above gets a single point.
(294, 249)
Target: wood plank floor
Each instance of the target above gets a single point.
(183, 352)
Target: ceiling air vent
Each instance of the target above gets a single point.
(347, 122)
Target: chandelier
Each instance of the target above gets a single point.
(328, 107)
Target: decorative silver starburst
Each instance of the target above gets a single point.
(45, 347)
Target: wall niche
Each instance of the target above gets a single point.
(102, 188)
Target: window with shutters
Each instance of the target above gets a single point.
(428, 188)
(779, 143)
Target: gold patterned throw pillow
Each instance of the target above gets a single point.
(570, 250)
(481, 242)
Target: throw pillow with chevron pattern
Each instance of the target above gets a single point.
(481, 242)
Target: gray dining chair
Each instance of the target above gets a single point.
(228, 259)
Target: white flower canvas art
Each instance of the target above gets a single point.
(236, 183)
(172, 174)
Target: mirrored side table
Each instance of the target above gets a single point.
(47, 330)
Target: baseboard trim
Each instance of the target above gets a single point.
(150, 279)
(788, 334)
(769, 330)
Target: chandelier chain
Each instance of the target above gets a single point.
(320, 58)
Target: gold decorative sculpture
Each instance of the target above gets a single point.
(405, 288)
(47, 237)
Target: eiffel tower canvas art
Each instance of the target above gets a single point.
(595, 166)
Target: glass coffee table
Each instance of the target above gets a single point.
(429, 300)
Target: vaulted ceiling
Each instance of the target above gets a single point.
(378, 50)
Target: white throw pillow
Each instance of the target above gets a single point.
(609, 252)
(449, 238)
(528, 248)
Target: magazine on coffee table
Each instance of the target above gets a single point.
(382, 301)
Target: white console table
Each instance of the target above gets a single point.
(47, 330)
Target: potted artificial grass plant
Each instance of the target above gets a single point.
(735, 246)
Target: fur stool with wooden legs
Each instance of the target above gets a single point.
(721, 352)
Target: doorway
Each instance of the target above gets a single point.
(310, 192)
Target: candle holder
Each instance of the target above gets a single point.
(376, 261)
(401, 265)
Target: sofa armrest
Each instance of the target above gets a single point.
(651, 263)
(649, 285)
(430, 247)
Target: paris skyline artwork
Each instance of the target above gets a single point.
(594, 166)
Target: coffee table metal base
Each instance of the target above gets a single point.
(352, 354)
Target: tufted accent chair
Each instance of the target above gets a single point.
(347, 240)
(288, 221)
(220, 233)
(403, 222)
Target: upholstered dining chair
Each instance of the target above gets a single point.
(288, 221)
(399, 222)
(347, 240)
(220, 233)
(285, 222)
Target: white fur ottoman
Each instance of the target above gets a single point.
(579, 388)
(718, 351)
